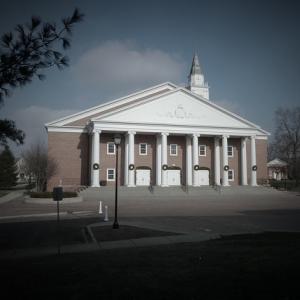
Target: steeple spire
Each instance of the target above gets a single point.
(195, 69)
(196, 79)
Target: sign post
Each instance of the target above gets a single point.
(58, 196)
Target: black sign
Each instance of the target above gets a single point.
(57, 193)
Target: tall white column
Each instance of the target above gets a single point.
(253, 161)
(164, 158)
(95, 182)
(126, 164)
(131, 181)
(158, 160)
(225, 159)
(217, 160)
(195, 160)
(244, 175)
(189, 173)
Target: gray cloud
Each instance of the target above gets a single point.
(125, 65)
(31, 120)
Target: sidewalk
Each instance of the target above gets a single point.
(11, 196)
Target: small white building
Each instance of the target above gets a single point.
(277, 169)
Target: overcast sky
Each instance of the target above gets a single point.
(249, 52)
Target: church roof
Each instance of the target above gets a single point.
(195, 69)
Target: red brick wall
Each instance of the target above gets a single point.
(71, 152)
(148, 160)
(208, 160)
(179, 160)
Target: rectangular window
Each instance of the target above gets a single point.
(230, 151)
(110, 174)
(202, 150)
(173, 149)
(230, 175)
(111, 148)
(143, 149)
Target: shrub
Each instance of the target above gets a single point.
(50, 194)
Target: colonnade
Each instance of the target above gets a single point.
(192, 159)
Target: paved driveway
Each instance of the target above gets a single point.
(234, 210)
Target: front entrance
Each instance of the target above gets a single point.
(142, 177)
(173, 177)
(203, 176)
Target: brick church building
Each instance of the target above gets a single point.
(170, 136)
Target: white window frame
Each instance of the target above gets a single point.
(140, 147)
(107, 148)
(110, 169)
(232, 172)
(176, 148)
(204, 150)
(231, 151)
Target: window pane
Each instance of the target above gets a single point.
(111, 148)
(173, 149)
(143, 148)
(202, 150)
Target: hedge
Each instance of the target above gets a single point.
(50, 195)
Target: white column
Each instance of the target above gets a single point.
(217, 160)
(164, 158)
(126, 164)
(225, 159)
(189, 174)
(95, 158)
(195, 160)
(131, 173)
(253, 161)
(244, 175)
(158, 160)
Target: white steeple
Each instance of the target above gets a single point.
(196, 80)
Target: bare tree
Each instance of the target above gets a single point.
(287, 138)
(40, 165)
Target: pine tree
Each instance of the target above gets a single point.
(8, 168)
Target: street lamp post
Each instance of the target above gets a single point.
(117, 141)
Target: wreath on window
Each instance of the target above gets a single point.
(226, 168)
(131, 167)
(95, 166)
(196, 167)
(254, 168)
(165, 167)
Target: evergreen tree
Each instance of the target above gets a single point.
(8, 168)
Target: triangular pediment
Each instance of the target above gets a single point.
(178, 107)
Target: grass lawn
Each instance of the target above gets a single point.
(251, 266)
(125, 232)
(3, 193)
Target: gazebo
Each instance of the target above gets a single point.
(277, 169)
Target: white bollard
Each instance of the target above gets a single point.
(105, 213)
(100, 207)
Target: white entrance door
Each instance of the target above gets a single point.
(203, 177)
(142, 177)
(173, 177)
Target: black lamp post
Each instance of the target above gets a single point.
(117, 141)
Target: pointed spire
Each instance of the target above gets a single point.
(195, 69)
